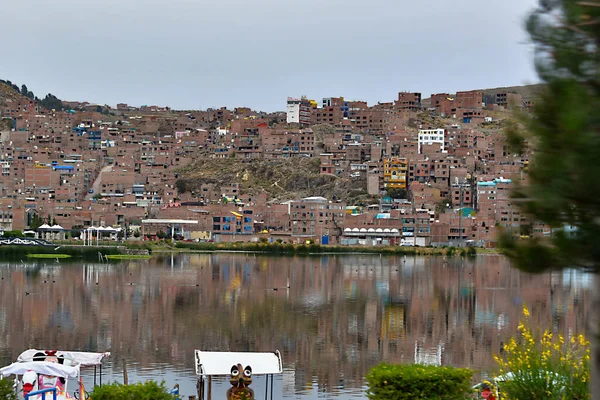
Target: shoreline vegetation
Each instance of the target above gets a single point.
(143, 250)
(316, 249)
(63, 252)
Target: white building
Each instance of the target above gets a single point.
(293, 110)
(431, 136)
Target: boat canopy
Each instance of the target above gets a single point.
(217, 363)
(41, 368)
(85, 359)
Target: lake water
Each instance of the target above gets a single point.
(341, 315)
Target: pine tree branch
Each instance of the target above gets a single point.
(589, 23)
(575, 28)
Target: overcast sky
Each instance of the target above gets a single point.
(255, 53)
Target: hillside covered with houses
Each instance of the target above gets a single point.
(408, 171)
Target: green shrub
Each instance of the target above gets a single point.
(139, 391)
(415, 381)
(11, 234)
(6, 389)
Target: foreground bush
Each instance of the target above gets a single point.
(407, 382)
(6, 389)
(542, 365)
(149, 390)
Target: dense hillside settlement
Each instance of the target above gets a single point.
(412, 171)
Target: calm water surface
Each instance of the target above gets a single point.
(340, 316)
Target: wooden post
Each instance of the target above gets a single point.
(209, 388)
(125, 377)
(191, 397)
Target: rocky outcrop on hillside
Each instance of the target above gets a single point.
(282, 180)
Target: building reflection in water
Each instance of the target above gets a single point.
(339, 317)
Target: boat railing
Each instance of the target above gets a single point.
(43, 391)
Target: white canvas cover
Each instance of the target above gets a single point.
(85, 359)
(214, 363)
(41, 367)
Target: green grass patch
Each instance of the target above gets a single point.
(128, 257)
(48, 255)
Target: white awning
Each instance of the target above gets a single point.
(217, 363)
(44, 227)
(41, 367)
(85, 359)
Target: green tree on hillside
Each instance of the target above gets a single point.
(563, 134)
(36, 221)
(51, 102)
(12, 85)
(25, 92)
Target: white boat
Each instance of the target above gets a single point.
(37, 370)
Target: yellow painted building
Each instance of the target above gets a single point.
(395, 171)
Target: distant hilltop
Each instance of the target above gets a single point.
(9, 90)
(528, 92)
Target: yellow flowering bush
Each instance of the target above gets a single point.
(538, 365)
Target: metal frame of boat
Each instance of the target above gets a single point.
(217, 363)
